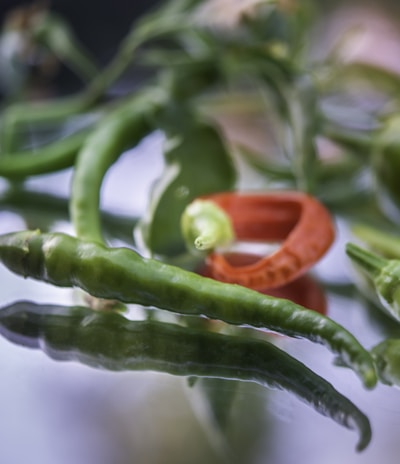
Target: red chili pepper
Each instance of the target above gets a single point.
(304, 290)
(297, 220)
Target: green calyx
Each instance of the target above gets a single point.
(385, 275)
(205, 226)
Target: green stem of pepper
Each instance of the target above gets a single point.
(50, 158)
(206, 226)
(384, 273)
(108, 340)
(123, 275)
(386, 355)
(384, 243)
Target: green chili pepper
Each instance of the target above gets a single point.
(384, 274)
(50, 158)
(121, 274)
(120, 129)
(110, 341)
(197, 163)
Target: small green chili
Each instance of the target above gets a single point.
(121, 274)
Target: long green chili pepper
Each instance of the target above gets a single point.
(384, 274)
(120, 129)
(110, 341)
(50, 158)
(121, 274)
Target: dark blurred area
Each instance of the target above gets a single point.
(99, 25)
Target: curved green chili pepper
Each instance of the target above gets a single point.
(50, 158)
(121, 274)
(108, 340)
(197, 163)
(120, 129)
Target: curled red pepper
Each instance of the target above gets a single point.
(301, 224)
(304, 290)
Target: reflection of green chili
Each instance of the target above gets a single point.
(108, 340)
(121, 274)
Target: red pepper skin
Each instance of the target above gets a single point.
(304, 290)
(299, 221)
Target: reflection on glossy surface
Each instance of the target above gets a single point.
(108, 340)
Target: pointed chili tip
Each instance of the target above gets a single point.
(370, 379)
(365, 435)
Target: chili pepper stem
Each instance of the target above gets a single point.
(368, 261)
(385, 275)
(382, 242)
(206, 226)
